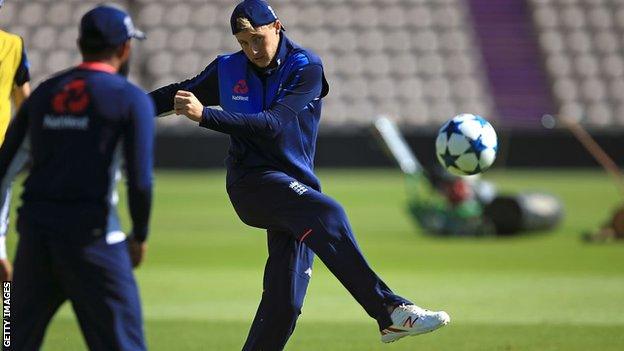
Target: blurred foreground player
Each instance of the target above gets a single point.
(271, 95)
(14, 85)
(22, 157)
(75, 121)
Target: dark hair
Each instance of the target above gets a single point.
(95, 47)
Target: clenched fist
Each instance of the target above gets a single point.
(185, 103)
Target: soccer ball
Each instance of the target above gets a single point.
(466, 144)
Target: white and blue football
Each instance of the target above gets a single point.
(466, 144)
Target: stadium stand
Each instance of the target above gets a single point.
(583, 50)
(415, 60)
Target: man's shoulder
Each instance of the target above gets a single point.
(126, 94)
(52, 80)
(132, 88)
(11, 45)
(300, 57)
(230, 55)
(104, 83)
(136, 94)
(113, 81)
(9, 37)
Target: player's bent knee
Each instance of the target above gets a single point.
(332, 216)
(330, 208)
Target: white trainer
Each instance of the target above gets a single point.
(413, 320)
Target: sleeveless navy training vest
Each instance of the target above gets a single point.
(242, 90)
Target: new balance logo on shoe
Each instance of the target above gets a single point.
(413, 320)
(409, 322)
(298, 187)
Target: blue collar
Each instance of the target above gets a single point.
(283, 48)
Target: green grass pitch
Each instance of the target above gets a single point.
(201, 282)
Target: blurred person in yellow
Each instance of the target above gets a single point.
(14, 75)
(14, 85)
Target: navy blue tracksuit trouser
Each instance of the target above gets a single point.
(301, 222)
(51, 267)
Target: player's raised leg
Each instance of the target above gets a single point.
(286, 277)
(321, 223)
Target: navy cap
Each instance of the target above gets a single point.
(110, 25)
(258, 12)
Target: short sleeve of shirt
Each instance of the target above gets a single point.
(22, 75)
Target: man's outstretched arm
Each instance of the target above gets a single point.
(205, 86)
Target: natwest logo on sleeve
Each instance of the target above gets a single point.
(239, 90)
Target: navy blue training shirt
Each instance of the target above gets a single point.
(272, 115)
(78, 122)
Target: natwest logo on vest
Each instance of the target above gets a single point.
(240, 89)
